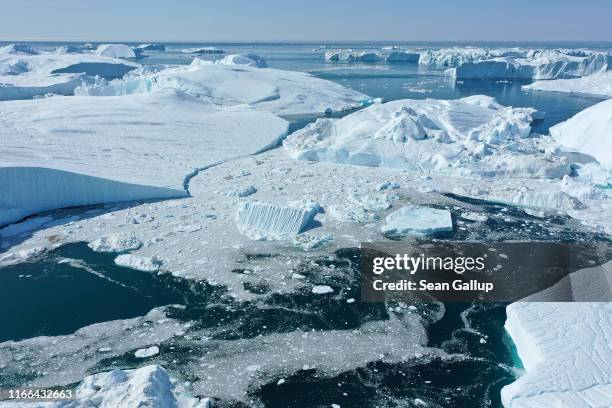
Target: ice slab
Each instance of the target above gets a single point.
(564, 347)
(452, 57)
(115, 51)
(29, 85)
(277, 91)
(473, 136)
(67, 151)
(417, 220)
(599, 84)
(261, 220)
(589, 132)
(346, 55)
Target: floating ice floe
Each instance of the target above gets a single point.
(147, 352)
(115, 51)
(563, 345)
(599, 84)
(277, 91)
(417, 220)
(589, 132)
(116, 243)
(249, 60)
(262, 221)
(473, 136)
(68, 151)
(536, 64)
(140, 263)
(322, 290)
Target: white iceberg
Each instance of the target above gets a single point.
(277, 91)
(115, 51)
(18, 49)
(401, 56)
(452, 57)
(249, 60)
(203, 50)
(261, 220)
(589, 132)
(68, 151)
(599, 84)
(151, 47)
(473, 136)
(417, 220)
(345, 55)
(139, 263)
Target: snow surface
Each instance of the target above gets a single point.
(564, 346)
(273, 90)
(249, 60)
(599, 84)
(115, 51)
(66, 151)
(473, 136)
(589, 132)
(415, 220)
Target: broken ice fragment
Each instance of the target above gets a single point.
(147, 352)
(261, 220)
(415, 220)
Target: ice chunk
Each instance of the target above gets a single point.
(147, 352)
(18, 49)
(277, 91)
(116, 243)
(322, 290)
(401, 56)
(151, 47)
(140, 263)
(599, 84)
(416, 220)
(203, 50)
(473, 136)
(590, 132)
(249, 60)
(346, 55)
(474, 216)
(68, 151)
(260, 220)
(115, 51)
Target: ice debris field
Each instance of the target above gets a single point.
(194, 170)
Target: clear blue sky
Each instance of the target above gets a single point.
(295, 20)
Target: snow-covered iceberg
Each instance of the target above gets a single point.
(452, 57)
(277, 91)
(599, 84)
(589, 132)
(345, 55)
(564, 346)
(115, 51)
(417, 220)
(249, 60)
(473, 136)
(68, 151)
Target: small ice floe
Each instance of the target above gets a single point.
(262, 221)
(417, 220)
(105, 349)
(240, 192)
(322, 290)
(140, 263)
(307, 242)
(388, 185)
(474, 216)
(147, 352)
(116, 243)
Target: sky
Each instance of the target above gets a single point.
(313, 20)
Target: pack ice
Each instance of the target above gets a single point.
(277, 91)
(589, 132)
(564, 347)
(473, 136)
(70, 151)
(24, 75)
(599, 84)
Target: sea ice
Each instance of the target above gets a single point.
(115, 51)
(147, 352)
(116, 243)
(277, 91)
(589, 132)
(417, 220)
(599, 84)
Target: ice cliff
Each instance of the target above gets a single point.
(599, 84)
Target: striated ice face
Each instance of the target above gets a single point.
(260, 220)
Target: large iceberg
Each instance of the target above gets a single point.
(68, 151)
(589, 132)
(387, 55)
(473, 136)
(564, 346)
(280, 92)
(151, 47)
(115, 51)
(452, 57)
(599, 84)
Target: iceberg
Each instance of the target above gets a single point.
(345, 55)
(277, 91)
(452, 57)
(139, 263)
(401, 56)
(473, 136)
(564, 346)
(18, 49)
(589, 132)
(68, 151)
(261, 220)
(203, 50)
(29, 85)
(249, 60)
(417, 220)
(151, 47)
(115, 51)
(599, 84)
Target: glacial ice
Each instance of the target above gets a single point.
(589, 132)
(277, 91)
(599, 84)
(564, 346)
(417, 220)
(18, 49)
(452, 57)
(345, 55)
(473, 136)
(249, 60)
(263, 221)
(140, 263)
(67, 151)
(115, 51)
(151, 47)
